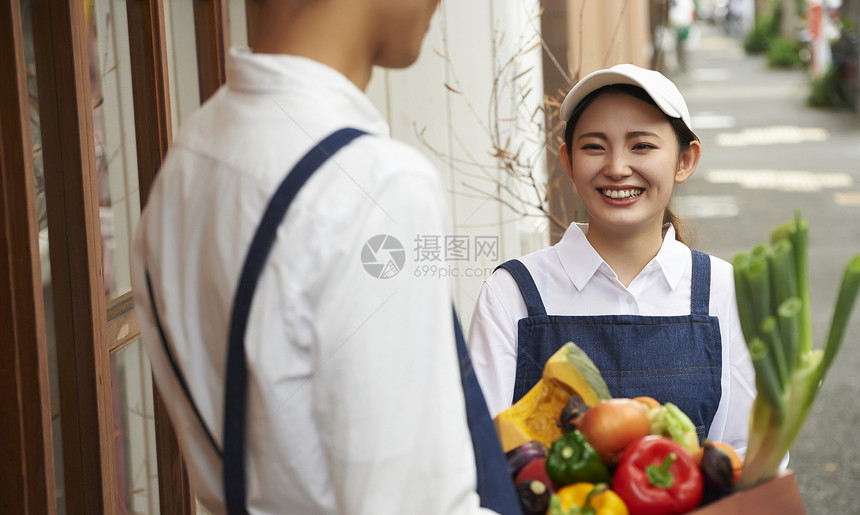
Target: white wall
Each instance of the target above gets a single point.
(493, 93)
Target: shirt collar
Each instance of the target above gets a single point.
(581, 261)
(577, 256)
(275, 74)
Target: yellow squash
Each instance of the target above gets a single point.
(535, 416)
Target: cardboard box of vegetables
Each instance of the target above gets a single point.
(573, 449)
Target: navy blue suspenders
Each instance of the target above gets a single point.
(494, 483)
(235, 389)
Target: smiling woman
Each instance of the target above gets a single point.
(624, 287)
(624, 154)
(688, 147)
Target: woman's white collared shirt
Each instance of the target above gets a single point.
(573, 279)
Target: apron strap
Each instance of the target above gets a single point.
(527, 285)
(495, 485)
(700, 295)
(236, 382)
(175, 366)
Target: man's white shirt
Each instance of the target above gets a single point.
(355, 403)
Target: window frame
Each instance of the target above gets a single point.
(88, 328)
(28, 485)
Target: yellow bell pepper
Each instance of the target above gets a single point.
(587, 499)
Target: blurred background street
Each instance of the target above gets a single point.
(766, 153)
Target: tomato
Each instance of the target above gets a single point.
(536, 470)
(612, 424)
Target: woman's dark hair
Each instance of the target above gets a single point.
(683, 133)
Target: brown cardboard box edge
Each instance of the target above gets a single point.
(779, 496)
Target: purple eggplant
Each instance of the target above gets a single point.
(524, 454)
(534, 497)
(571, 413)
(717, 473)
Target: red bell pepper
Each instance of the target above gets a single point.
(657, 476)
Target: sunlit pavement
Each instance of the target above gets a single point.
(765, 154)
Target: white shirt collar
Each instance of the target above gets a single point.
(577, 256)
(281, 73)
(581, 261)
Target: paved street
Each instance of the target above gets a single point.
(765, 154)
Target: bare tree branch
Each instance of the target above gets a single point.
(512, 125)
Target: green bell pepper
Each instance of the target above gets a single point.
(572, 459)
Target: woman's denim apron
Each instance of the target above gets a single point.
(675, 359)
(494, 483)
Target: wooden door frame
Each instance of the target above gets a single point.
(74, 230)
(88, 328)
(154, 133)
(210, 32)
(25, 446)
(151, 99)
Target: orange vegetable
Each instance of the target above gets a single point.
(612, 424)
(650, 402)
(536, 415)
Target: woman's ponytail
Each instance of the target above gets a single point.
(683, 232)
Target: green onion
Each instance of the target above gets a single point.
(776, 350)
(767, 380)
(758, 278)
(782, 274)
(788, 318)
(797, 233)
(842, 311)
(772, 288)
(742, 287)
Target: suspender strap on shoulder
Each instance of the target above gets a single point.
(700, 295)
(527, 285)
(235, 389)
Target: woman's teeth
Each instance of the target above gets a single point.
(621, 193)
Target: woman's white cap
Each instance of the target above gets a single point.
(662, 90)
